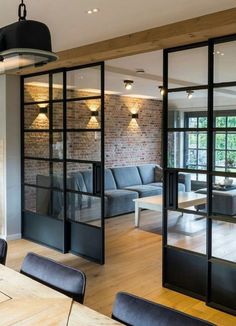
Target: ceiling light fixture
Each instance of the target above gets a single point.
(92, 11)
(189, 94)
(25, 43)
(140, 71)
(162, 90)
(128, 84)
(218, 53)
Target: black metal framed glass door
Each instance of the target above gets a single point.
(63, 159)
(199, 123)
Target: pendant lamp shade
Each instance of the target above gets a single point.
(23, 44)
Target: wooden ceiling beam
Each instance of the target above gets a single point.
(185, 32)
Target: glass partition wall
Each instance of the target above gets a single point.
(199, 242)
(63, 160)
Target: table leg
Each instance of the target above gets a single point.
(137, 214)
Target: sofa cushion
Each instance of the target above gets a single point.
(119, 202)
(145, 190)
(110, 183)
(181, 186)
(126, 176)
(147, 173)
(156, 184)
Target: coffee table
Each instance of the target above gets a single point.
(154, 203)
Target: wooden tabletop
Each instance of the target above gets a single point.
(185, 199)
(24, 301)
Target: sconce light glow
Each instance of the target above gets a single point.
(162, 90)
(128, 84)
(189, 94)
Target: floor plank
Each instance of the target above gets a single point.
(133, 264)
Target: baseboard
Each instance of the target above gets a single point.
(16, 236)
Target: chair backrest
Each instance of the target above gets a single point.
(3, 251)
(131, 310)
(61, 278)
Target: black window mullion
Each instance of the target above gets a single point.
(210, 143)
(67, 234)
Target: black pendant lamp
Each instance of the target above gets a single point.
(25, 43)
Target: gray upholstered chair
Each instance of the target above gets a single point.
(3, 251)
(134, 311)
(64, 279)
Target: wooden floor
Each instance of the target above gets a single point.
(133, 264)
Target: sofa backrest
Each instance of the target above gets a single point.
(88, 180)
(49, 202)
(147, 173)
(110, 183)
(126, 176)
(78, 183)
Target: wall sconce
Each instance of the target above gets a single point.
(128, 84)
(43, 110)
(162, 90)
(94, 113)
(134, 115)
(189, 94)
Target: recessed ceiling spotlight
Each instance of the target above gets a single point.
(218, 53)
(92, 11)
(189, 94)
(128, 84)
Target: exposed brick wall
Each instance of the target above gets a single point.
(127, 141)
(132, 141)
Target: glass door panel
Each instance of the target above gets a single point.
(63, 160)
(84, 150)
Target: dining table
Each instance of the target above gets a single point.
(24, 301)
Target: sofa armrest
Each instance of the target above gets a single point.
(185, 178)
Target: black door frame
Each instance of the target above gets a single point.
(45, 229)
(177, 261)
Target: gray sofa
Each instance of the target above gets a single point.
(124, 184)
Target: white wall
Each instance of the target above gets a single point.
(10, 150)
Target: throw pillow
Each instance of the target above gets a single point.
(158, 174)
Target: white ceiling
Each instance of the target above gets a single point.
(71, 27)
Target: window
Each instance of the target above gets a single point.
(224, 141)
(196, 142)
